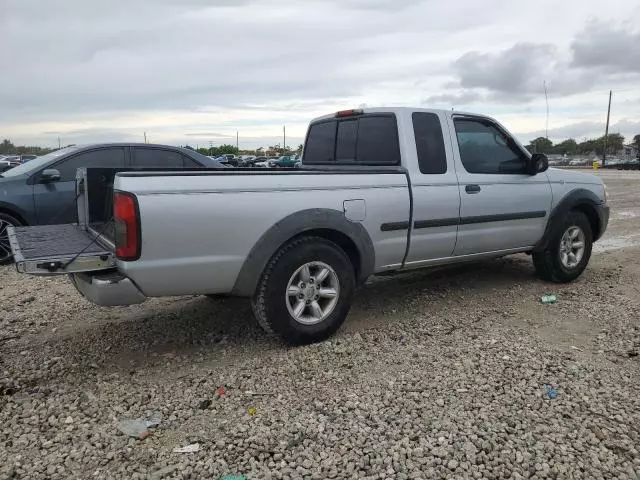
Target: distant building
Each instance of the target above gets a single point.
(628, 152)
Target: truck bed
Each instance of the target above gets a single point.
(56, 249)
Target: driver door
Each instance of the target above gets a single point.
(502, 207)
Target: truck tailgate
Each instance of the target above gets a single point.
(58, 250)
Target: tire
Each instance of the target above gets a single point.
(550, 264)
(275, 306)
(6, 220)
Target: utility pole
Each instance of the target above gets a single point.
(238, 141)
(606, 131)
(284, 139)
(59, 143)
(546, 97)
(145, 137)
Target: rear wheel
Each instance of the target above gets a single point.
(6, 220)
(305, 293)
(569, 251)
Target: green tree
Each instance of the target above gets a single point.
(541, 145)
(588, 146)
(615, 143)
(204, 151)
(227, 149)
(568, 147)
(636, 142)
(7, 147)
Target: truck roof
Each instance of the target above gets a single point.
(398, 110)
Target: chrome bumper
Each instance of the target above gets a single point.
(109, 289)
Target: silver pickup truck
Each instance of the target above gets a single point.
(380, 190)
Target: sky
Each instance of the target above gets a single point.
(198, 71)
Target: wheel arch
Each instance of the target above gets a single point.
(332, 225)
(581, 200)
(9, 210)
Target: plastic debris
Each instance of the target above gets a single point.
(193, 448)
(134, 428)
(233, 477)
(548, 299)
(550, 391)
(154, 421)
(220, 391)
(139, 428)
(252, 411)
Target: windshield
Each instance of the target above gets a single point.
(37, 163)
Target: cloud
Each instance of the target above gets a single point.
(600, 55)
(611, 48)
(518, 74)
(453, 99)
(178, 68)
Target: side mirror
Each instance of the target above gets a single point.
(539, 163)
(49, 175)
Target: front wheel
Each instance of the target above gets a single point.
(569, 251)
(305, 292)
(6, 220)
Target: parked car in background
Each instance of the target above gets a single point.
(247, 161)
(9, 161)
(633, 164)
(286, 161)
(26, 158)
(383, 190)
(43, 191)
(260, 161)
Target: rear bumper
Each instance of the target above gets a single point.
(603, 218)
(109, 289)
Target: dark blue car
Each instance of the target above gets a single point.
(43, 191)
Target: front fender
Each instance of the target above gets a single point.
(585, 200)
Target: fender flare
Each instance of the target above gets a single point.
(297, 224)
(14, 211)
(576, 198)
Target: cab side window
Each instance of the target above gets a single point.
(432, 157)
(485, 149)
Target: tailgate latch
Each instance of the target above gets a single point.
(50, 266)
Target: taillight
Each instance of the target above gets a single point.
(349, 113)
(127, 226)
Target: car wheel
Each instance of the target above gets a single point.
(568, 254)
(305, 292)
(6, 220)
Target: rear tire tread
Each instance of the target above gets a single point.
(271, 321)
(258, 303)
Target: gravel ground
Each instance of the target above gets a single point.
(436, 374)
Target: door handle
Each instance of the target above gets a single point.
(472, 189)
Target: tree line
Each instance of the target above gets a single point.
(272, 150)
(8, 148)
(614, 143)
